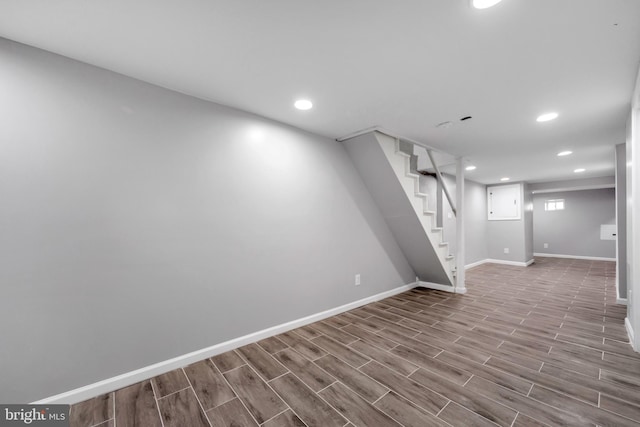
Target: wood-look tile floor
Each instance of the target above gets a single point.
(541, 345)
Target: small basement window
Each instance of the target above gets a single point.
(554, 205)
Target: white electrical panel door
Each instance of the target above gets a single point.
(608, 232)
(503, 202)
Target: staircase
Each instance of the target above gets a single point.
(386, 171)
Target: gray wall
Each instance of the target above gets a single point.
(576, 229)
(475, 222)
(621, 219)
(475, 204)
(139, 224)
(510, 234)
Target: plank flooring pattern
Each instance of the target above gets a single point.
(534, 346)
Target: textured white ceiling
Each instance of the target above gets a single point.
(404, 66)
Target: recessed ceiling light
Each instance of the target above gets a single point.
(546, 117)
(564, 153)
(580, 170)
(483, 4)
(505, 179)
(303, 104)
(470, 168)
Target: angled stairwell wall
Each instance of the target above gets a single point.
(386, 171)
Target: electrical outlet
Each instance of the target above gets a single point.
(546, 245)
(506, 250)
(357, 280)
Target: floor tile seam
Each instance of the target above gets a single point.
(172, 393)
(236, 392)
(275, 416)
(196, 394)
(106, 421)
(337, 356)
(398, 421)
(155, 396)
(359, 369)
(423, 386)
(265, 379)
(500, 403)
(469, 379)
(267, 351)
(617, 413)
(336, 409)
(327, 386)
(592, 405)
(637, 378)
(380, 398)
(443, 408)
(230, 370)
(560, 391)
(631, 359)
(305, 384)
(575, 359)
(514, 419)
(506, 403)
(419, 405)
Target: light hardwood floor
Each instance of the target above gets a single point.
(541, 345)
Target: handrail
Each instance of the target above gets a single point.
(444, 184)
(390, 134)
(411, 141)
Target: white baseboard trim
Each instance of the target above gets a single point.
(592, 258)
(500, 261)
(619, 300)
(439, 287)
(515, 263)
(629, 328)
(475, 264)
(133, 377)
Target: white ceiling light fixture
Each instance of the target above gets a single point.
(564, 153)
(505, 179)
(547, 117)
(484, 4)
(470, 168)
(303, 104)
(579, 170)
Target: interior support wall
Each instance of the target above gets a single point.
(139, 224)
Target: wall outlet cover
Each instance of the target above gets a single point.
(506, 250)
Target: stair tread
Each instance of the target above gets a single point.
(403, 167)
